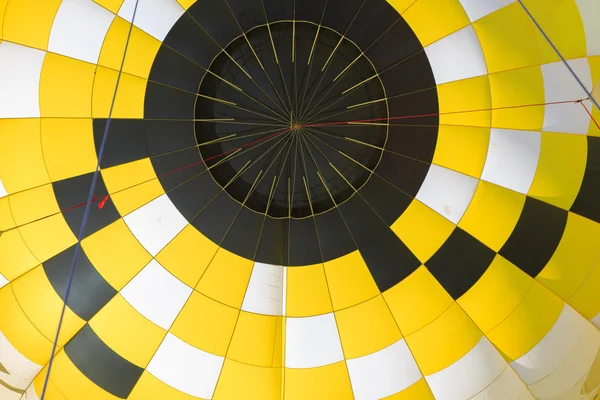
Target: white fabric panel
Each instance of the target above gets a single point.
(79, 30)
(447, 192)
(156, 294)
(7, 394)
(3, 281)
(156, 223)
(573, 371)
(3, 192)
(560, 85)
(468, 376)
(186, 368)
(596, 92)
(590, 14)
(21, 370)
(312, 342)
(477, 9)
(553, 349)
(20, 69)
(265, 290)
(30, 394)
(512, 159)
(383, 373)
(155, 17)
(457, 56)
(506, 386)
(596, 321)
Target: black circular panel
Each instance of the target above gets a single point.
(267, 125)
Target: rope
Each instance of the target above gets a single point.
(88, 205)
(589, 94)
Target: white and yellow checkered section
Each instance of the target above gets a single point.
(205, 323)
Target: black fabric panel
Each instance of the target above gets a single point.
(389, 50)
(248, 13)
(388, 259)
(421, 108)
(587, 202)
(74, 192)
(101, 364)
(279, 9)
(421, 77)
(215, 219)
(304, 248)
(189, 39)
(163, 102)
(216, 19)
(126, 141)
(372, 21)
(273, 247)
(417, 142)
(174, 169)
(361, 220)
(333, 235)
(386, 200)
(340, 13)
(406, 174)
(172, 69)
(535, 237)
(89, 291)
(163, 136)
(460, 262)
(310, 10)
(242, 238)
(192, 196)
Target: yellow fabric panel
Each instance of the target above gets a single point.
(496, 294)
(52, 393)
(507, 39)
(367, 328)
(328, 382)
(492, 214)
(595, 70)
(48, 237)
(127, 332)
(15, 256)
(423, 230)
(462, 148)
(3, 4)
(432, 20)
(72, 383)
(206, 324)
(226, 278)
(253, 339)
(133, 198)
(111, 5)
(528, 323)
(241, 381)
(459, 99)
(516, 88)
(593, 379)
(279, 348)
(130, 96)
(587, 299)
(444, 341)
(574, 258)
(401, 5)
(186, 3)
(23, 26)
(140, 53)
(19, 330)
(116, 254)
(21, 158)
(6, 219)
(188, 255)
(151, 388)
(66, 87)
(307, 291)
(33, 204)
(568, 35)
(350, 281)
(43, 306)
(560, 169)
(419, 390)
(417, 301)
(123, 176)
(68, 146)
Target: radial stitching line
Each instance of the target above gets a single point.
(88, 206)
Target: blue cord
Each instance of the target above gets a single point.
(589, 94)
(88, 207)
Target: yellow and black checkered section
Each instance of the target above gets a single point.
(300, 199)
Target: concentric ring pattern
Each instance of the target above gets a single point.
(300, 199)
